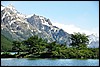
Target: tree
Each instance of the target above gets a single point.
(16, 46)
(35, 45)
(23, 46)
(51, 46)
(79, 39)
(31, 43)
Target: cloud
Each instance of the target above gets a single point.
(72, 28)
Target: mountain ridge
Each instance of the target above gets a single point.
(20, 26)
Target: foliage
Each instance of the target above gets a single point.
(79, 39)
(35, 47)
(16, 46)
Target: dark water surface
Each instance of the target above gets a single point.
(48, 62)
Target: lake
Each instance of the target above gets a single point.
(48, 62)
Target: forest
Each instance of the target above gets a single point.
(35, 47)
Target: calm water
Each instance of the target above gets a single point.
(48, 62)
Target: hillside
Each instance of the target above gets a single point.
(20, 26)
(6, 44)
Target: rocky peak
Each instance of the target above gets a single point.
(21, 27)
(12, 8)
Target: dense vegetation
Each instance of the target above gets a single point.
(35, 47)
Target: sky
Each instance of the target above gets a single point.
(71, 16)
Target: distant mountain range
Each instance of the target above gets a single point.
(17, 26)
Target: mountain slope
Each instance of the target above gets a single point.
(20, 27)
(6, 44)
(17, 26)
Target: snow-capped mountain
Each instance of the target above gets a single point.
(17, 26)
(93, 41)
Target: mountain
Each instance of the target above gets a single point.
(93, 41)
(17, 26)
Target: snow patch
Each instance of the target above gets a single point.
(28, 27)
(31, 30)
(43, 28)
(55, 29)
(21, 15)
(2, 8)
(2, 28)
(41, 17)
(46, 23)
(3, 16)
(12, 8)
(28, 16)
(12, 22)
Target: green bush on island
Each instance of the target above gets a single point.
(35, 47)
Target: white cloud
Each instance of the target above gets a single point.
(72, 28)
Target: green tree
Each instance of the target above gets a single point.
(23, 46)
(31, 44)
(51, 47)
(79, 39)
(16, 46)
(35, 45)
